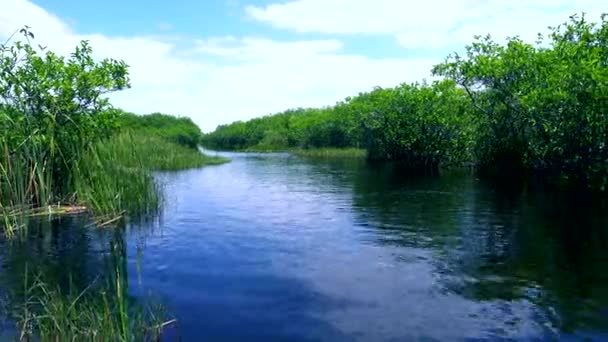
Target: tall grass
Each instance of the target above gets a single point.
(354, 153)
(106, 185)
(62, 146)
(48, 314)
(152, 152)
(111, 176)
(26, 179)
(114, 175)
(102, 311)
(61, 142)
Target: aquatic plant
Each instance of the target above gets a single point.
(102, 311)
(331, 153)
(61, 142)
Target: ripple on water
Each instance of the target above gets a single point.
(272, 247)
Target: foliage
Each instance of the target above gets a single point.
(512, 109)
(114, 175)
(151, 152)
(45, 310)
(108, 185)
(354, 153)
(180, 130)
(424, 125)
(543, 106)
(62, 142)
(51, 110)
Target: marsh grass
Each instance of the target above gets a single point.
(106, 185)
(354, 153)
(62, 147)
(26, 182)
(327, 152)
(103, 311)
(47, 297)
(112, 176)
(153, 152)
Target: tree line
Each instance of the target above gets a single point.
(513, 108)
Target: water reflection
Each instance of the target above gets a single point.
(496, 245)
(275, 247)
(62, 251)
(66, 254)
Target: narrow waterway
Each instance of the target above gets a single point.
(276, 247)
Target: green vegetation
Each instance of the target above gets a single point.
(159, 155)
(111, 178)
(64, 149)
(181, 131)
(513, 109)
(53, 316)
(424, 124)
(62, 142)
(114, 175)
(331, 153)
(94, 307)
(543, 106)
(51, 112)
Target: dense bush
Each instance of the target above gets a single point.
(180, 130)
(62, 142)
(425, 125)
(544, 106)
(52, 109)
(512, 109)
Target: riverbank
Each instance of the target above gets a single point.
(67, 154)
(544, 117)
(116, 176)
(347, 153)
(354, 153)
(112, 177)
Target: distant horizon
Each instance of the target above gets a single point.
(236, 60)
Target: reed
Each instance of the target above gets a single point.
(102, 311)
(354, 153)
(104, 184)
(62, 143)
(153, 152)
(109, 177)
(114, 176)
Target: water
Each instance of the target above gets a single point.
(274, 247)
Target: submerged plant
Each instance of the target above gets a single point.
(102, 311)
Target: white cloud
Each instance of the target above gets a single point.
(216, 80)
(428, 23)
(221, 79)
(265, 49)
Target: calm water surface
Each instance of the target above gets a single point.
(274, 247)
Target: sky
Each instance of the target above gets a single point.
(218, 61)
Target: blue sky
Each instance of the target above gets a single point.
(200, 19)
(225, 60)
(139, 17)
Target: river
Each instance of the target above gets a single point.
(276, 247)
